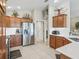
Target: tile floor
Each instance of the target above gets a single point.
(37, 51)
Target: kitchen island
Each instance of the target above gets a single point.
(71, 50)
(67, 51)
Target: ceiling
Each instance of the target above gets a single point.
(25, 4)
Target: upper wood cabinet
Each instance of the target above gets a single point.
(16, 22)
(59, 21)
(9, 21)
(6, 21)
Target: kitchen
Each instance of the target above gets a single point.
(25, 30)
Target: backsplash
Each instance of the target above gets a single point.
(11, 31)
(63, 31)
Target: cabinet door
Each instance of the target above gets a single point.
(18, 40)
(66, 41)
(1, 25)
(52, 42)
(15, 22)
(55, 24)
(59, 21)
(6, 21)
(59, 42)
(12, 41)
(1, 42)
(64, 57)
(62, 21)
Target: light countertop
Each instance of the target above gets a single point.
(68, 37)
(71, 50)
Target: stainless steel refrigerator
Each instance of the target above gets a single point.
(28, 33)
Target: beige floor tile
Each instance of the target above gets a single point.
(37, 51)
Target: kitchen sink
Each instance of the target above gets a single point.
(75, 39)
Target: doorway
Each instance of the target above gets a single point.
(42, 31)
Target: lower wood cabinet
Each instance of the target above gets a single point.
(57, 41)
(18, 40)
(3, 50)
(15, 40)
(52, 42)
(3, 54)
(66, 41)
(64, 57)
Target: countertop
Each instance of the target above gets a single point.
(68, 37)
(71, 50)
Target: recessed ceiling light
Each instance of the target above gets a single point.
(9, 7)
(19, 7)
(55, 1)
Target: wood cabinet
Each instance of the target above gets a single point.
(52, 41)
(66, 41)
(59, 21)
(18, 40)
(55, 21)
(57, 41)
(14, 22)
(15, 40)
(62, 56)
(6, 21)
(9, 21)
(3, 50)
(3, 54)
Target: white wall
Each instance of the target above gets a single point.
(20, 12)
(11, 31)
(50, 14)
(61, 4)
